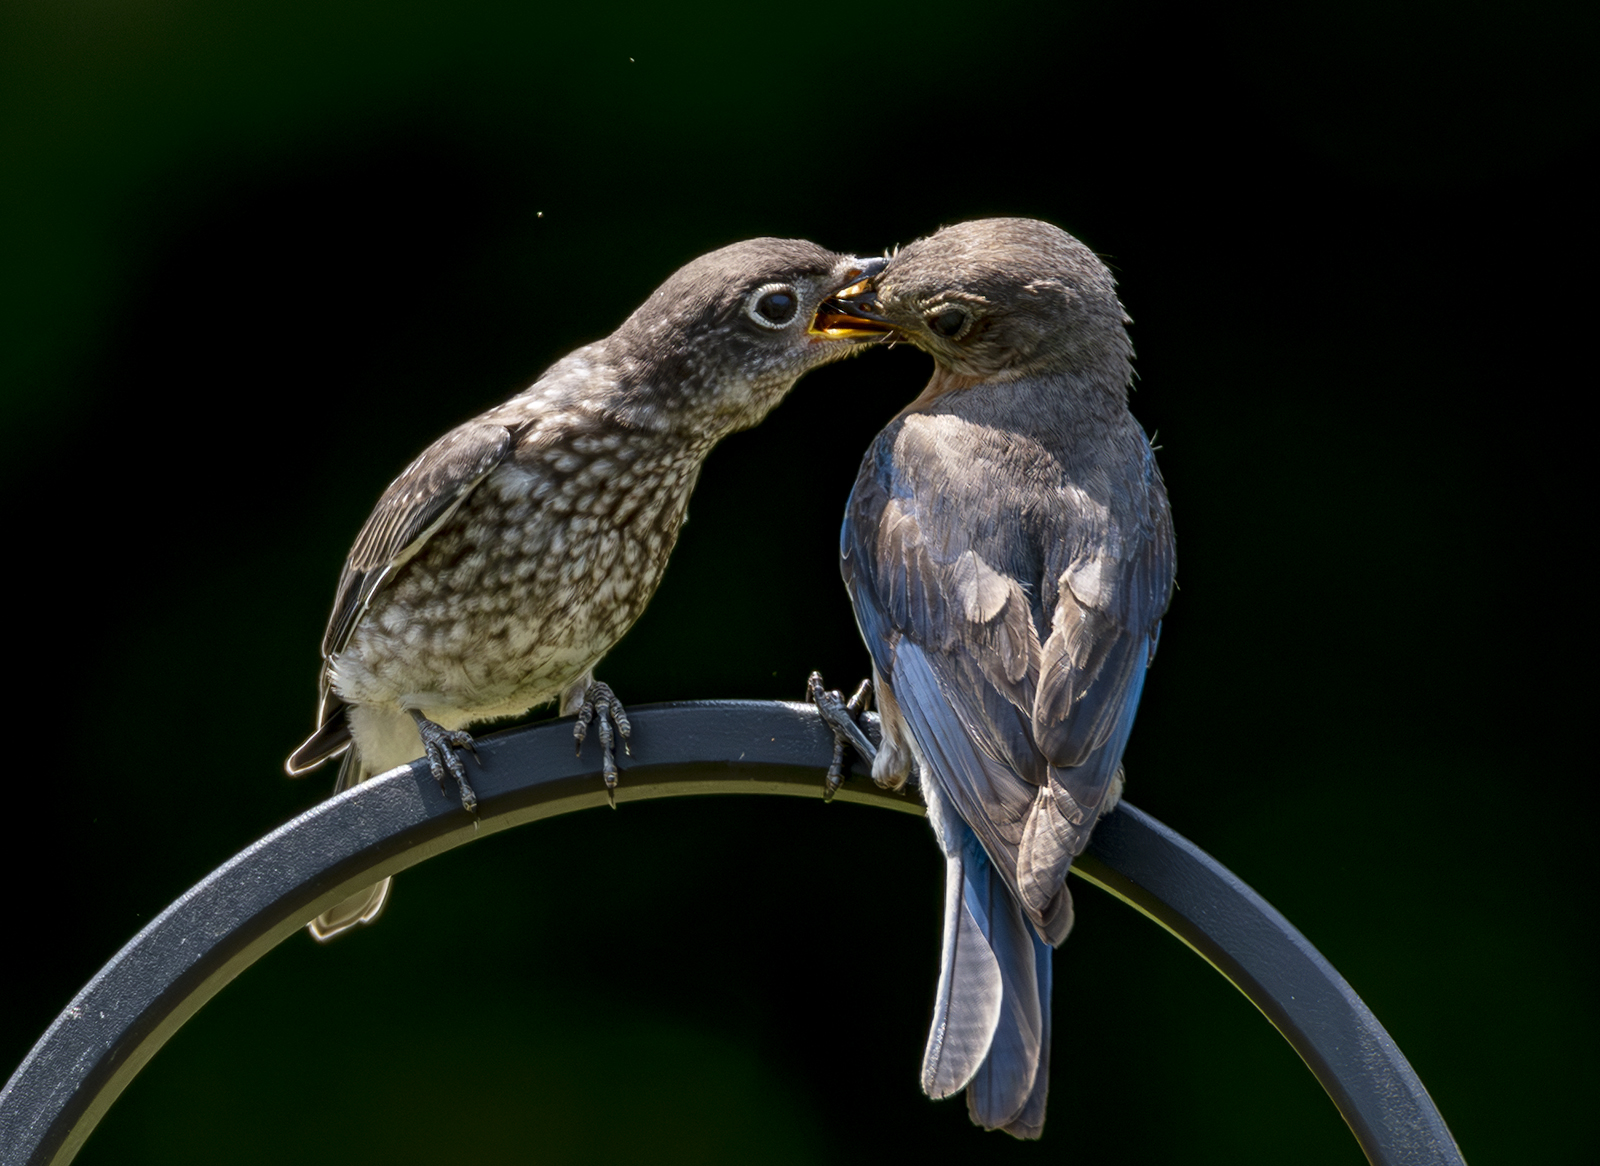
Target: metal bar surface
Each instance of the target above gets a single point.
(268, 892)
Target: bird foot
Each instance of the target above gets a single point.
(440, 745)
(840, 716)
(599, 701)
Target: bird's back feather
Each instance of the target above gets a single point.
(1009, 588)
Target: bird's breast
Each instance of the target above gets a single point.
(538, 574)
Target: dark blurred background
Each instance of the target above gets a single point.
(258, 255)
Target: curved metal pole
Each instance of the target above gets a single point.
(268, 892)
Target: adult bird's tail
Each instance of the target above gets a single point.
(991, 1021)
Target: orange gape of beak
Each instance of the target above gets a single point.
(847, 314)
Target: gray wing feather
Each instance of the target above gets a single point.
(417, 503)
(952, 596)
(1106, 616)
(989, 797)
(1012, 620)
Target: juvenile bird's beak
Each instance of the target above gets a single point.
(850, 312)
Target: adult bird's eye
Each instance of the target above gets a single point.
(773, 306)
(949, 322)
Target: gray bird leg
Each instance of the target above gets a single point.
(441, 745)
(600, 701)
(840, 716)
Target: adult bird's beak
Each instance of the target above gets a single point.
(850, 312)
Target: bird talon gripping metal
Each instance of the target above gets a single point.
(841, 716)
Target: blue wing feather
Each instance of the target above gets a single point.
(1011, 622)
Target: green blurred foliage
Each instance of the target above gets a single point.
(257, 255)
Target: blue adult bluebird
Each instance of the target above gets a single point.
(1008, 548)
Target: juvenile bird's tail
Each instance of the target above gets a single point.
(991, 1022)
(363, 906)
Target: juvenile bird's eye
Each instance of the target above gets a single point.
(949, 322)
(773, 306)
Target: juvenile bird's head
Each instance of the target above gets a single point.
(721, 342)
(999, 299)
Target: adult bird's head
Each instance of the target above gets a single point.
(1001, 299)
(721, 342)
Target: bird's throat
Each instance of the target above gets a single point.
(942, 382)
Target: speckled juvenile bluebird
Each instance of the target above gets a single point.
(1008, 549)
(505, 561)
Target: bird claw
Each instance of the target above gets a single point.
(440, 745)
(840, 716)
(599, 701)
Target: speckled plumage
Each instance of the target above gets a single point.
(548, 561)
(515, 551)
